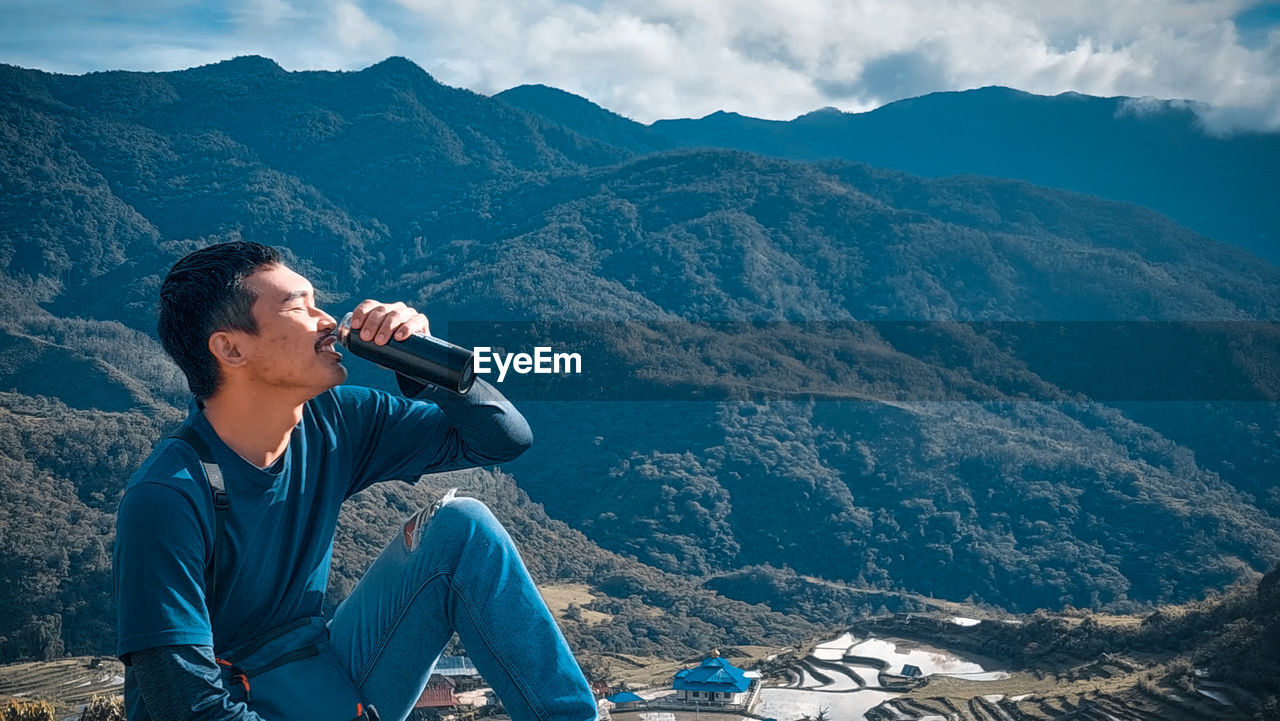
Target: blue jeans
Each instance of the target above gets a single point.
(457, 570)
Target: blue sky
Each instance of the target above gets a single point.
(650, 59)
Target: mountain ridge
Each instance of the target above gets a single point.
(1150, 152)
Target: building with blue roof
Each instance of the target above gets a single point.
(716, 681)
(625, 700)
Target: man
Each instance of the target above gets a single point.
(219, 610)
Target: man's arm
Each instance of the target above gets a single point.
(165, 637)
(182, 683)
(492, 430)
(402, 439)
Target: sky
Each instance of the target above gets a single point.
(652, 59)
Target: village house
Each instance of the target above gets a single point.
(451, 676)
(460, 670)
(440, 693)
(716, 682)
(626, 701)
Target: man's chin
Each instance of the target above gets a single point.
(340, 372)
(337, 376)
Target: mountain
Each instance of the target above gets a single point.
(883, 417)
(1138, 150)
(584, 117)
(187, 152)
(722, 235)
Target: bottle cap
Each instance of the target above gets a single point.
(343, 330)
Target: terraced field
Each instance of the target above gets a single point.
(1109, 690)
(855, 677)
(1088, 707)
(67, 683)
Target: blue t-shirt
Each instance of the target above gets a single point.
(273, 562)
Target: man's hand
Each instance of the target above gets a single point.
(378, 321)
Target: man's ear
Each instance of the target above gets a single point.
(225, 348)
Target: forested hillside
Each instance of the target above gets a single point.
(1152, 152)
(949, 457)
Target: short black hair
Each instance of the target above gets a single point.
(205, 293)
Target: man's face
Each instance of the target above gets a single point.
(293, 349)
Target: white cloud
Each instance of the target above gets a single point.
(261, 14)
(649, 59)
(779, 58)
(356, 31)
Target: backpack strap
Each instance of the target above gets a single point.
(221, 502)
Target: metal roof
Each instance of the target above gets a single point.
(455, 666)
(715, 674)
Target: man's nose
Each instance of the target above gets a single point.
(327, 323)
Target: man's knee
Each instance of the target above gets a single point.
(469, 518)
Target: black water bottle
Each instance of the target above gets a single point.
(420, 357)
